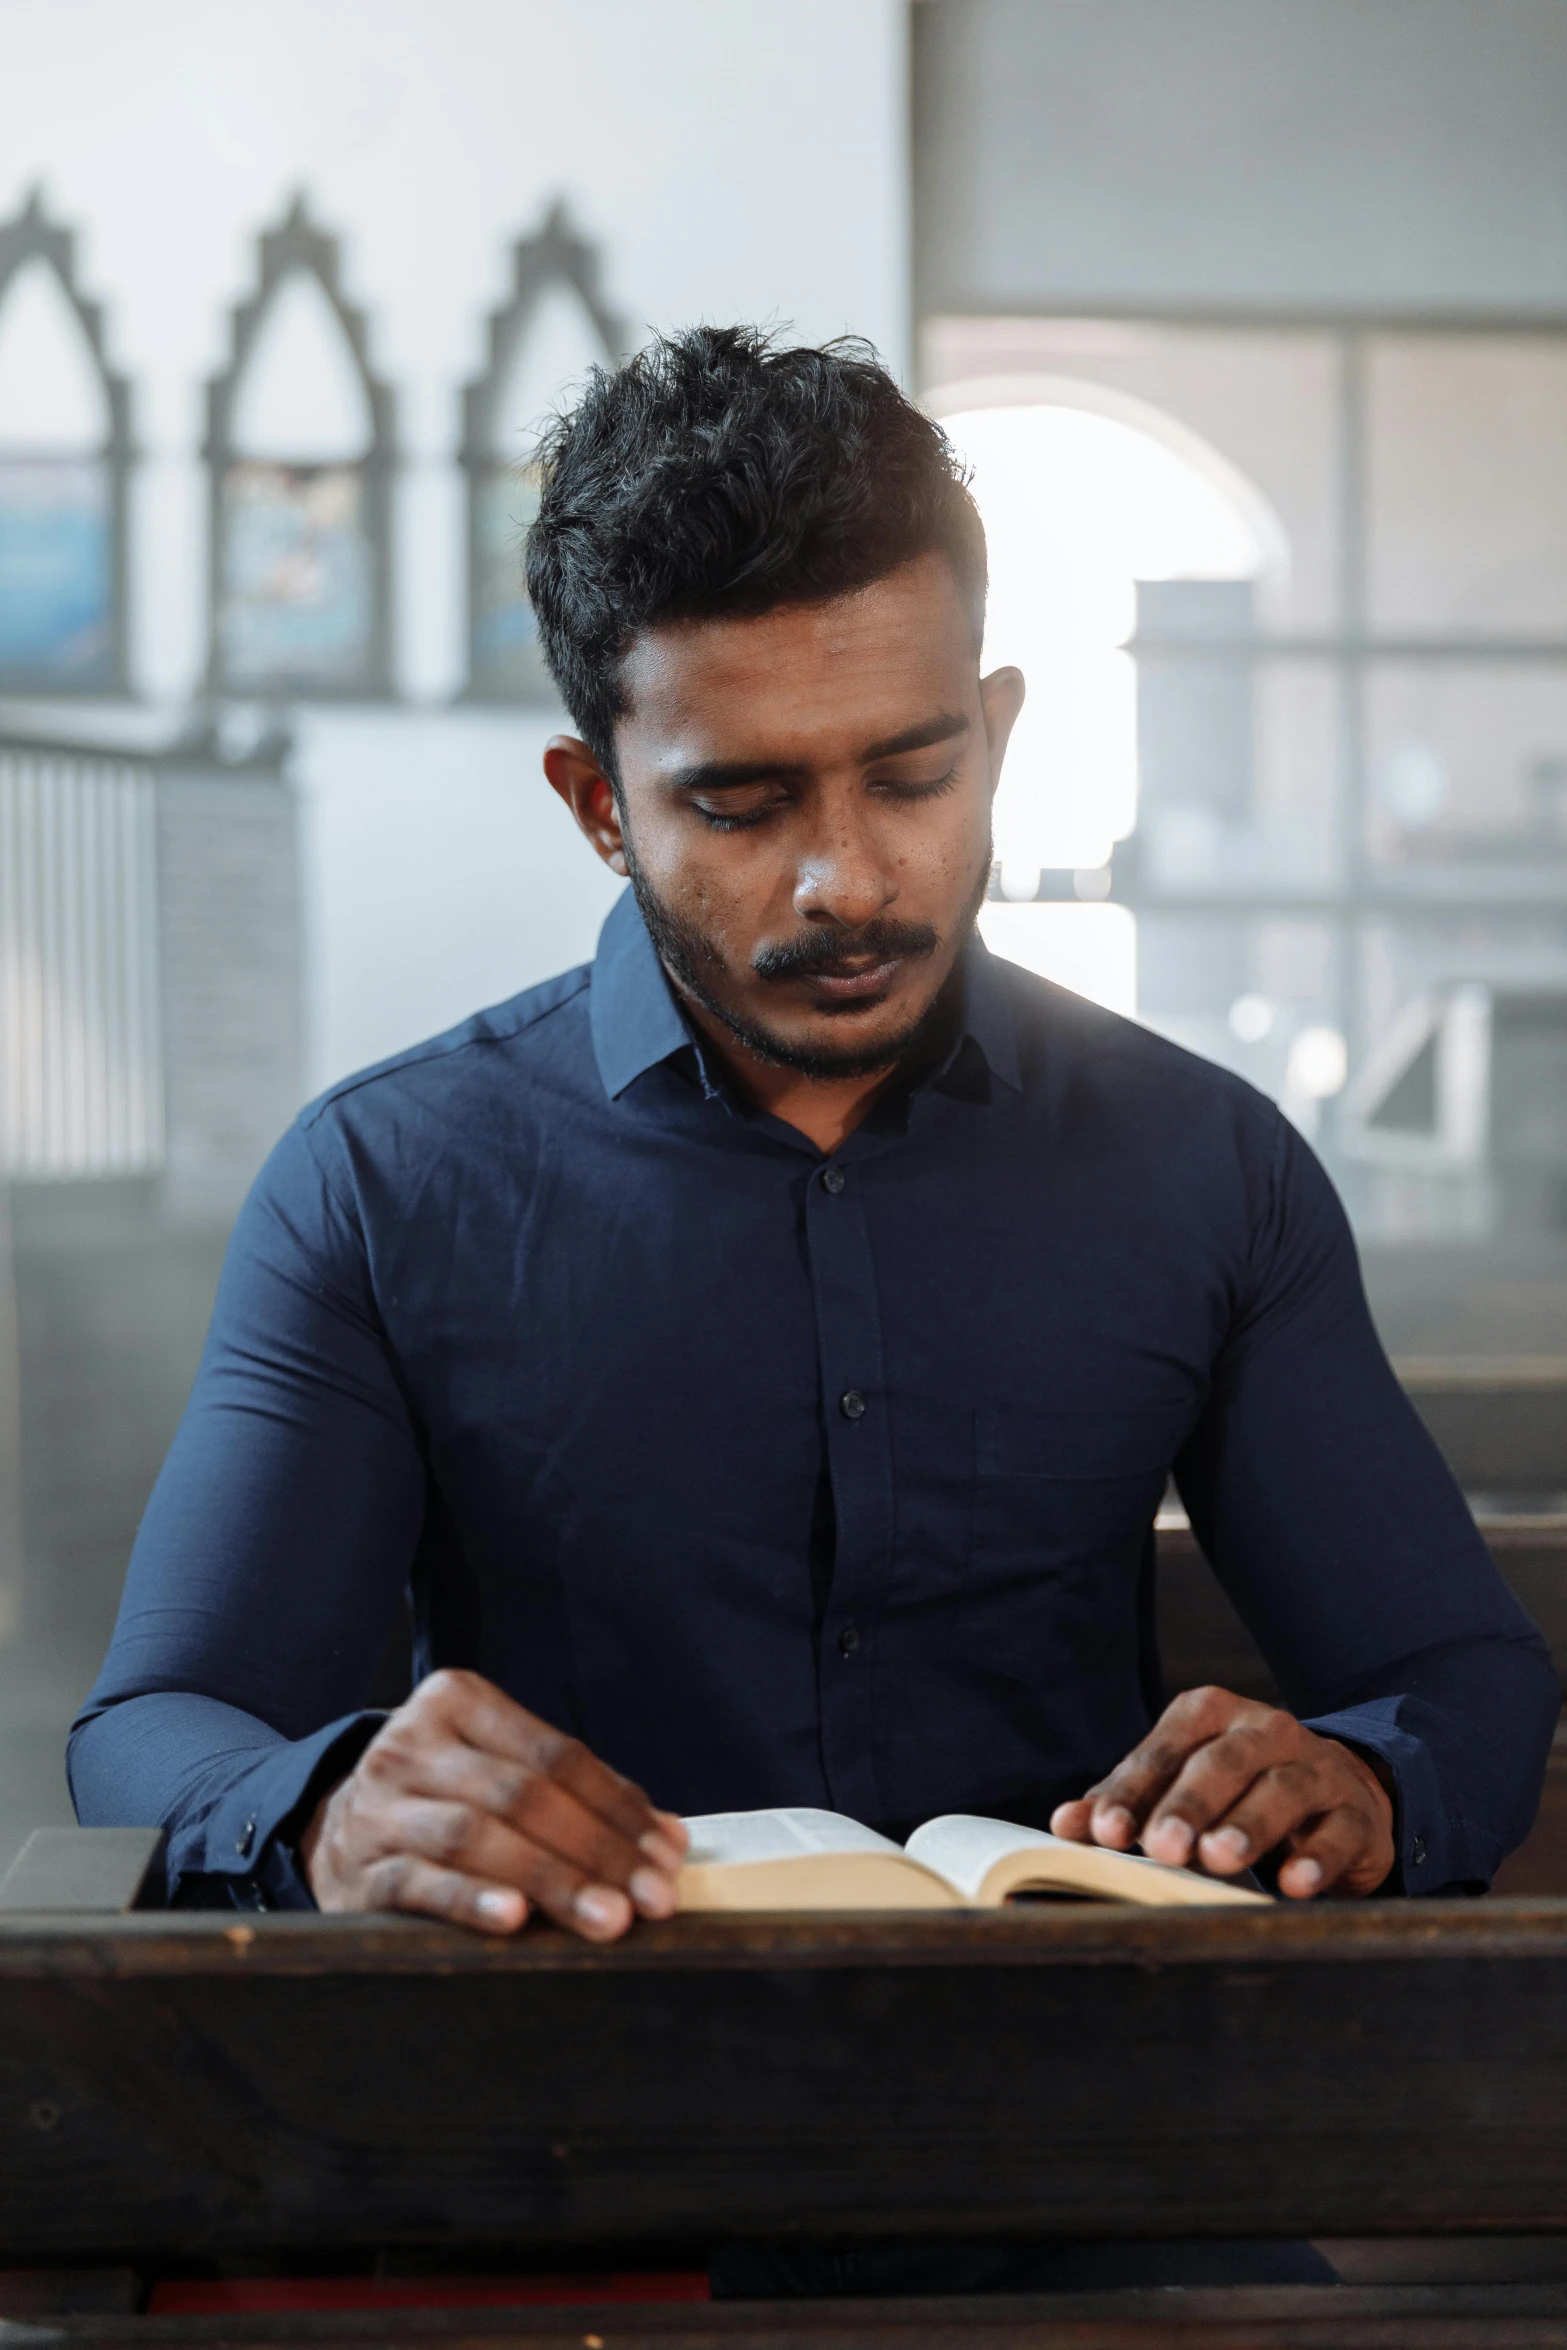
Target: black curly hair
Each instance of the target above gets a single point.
(716, 472)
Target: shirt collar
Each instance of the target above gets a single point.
(989, 1014)
(636, 1021)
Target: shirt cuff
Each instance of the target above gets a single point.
(1425, 1861)
(242, 1853)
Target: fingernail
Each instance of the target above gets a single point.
(1171, 1841)
(661, 1850)
(507, 1909)
(602, 1906)
(1305, 1876)
(652, 1892)
(1226, 1844)
(1114, 1824)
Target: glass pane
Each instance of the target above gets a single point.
(1259, 993)
(1464, 1235)
(298, 578)
(1467, 769)
(1262, 402)
(506, 658)
(1238, 765)
(55, 583)
(1467, 483)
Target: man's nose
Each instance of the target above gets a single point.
(842, 879)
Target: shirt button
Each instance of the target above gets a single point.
(848, 1640)
(1417, 1853)
(852, 1404)
(242, 1844)
(832, 1180)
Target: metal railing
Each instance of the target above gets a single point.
(81, 1088)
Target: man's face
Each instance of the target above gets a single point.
(805, 813)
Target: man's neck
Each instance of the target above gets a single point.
(826, 1110)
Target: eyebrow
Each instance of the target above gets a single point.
(733, 775)
(923, 737)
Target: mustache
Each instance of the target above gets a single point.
(816, 951)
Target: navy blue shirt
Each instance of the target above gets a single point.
(790, 1479)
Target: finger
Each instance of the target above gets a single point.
(1277, 1802)
(485, 1718)
(619, 1802)
(600, 1913)
(1120, 1803)
(571, 1898)
(1074, 1821)
(481, 1786)
(1348, 1848)
(408, 1883)
(1214, 1778)
(552, 1817)
(460, 1836)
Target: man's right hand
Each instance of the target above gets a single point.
(466, 1807)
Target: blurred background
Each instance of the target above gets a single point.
(1251, 318)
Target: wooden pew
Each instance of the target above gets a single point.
(311, 2091)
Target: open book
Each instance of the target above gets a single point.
(805, 1859)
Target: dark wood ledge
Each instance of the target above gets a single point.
(214, 2088)
(1047, 1934)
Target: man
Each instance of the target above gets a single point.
(762, 1352)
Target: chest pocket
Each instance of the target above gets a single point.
(1062, 1505)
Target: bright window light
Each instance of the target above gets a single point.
(1078, 505)
(1090, 949)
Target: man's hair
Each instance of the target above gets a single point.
(716, 473)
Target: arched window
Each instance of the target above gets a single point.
(64, 455)
(300, 446)
(542, 342)
(1087, 499)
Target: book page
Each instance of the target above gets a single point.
(722, 1837)
(964, 1849)
(985, 1860)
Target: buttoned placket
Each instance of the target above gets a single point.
(859, 1456)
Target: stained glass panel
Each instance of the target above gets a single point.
(506, 656)
(298, 578)
(56, 572)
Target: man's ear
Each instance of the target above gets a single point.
(1001, 698)
(582, 783)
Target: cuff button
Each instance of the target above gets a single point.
(245, 1837)
(1417, 1853)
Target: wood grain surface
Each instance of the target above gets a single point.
(201, 2087)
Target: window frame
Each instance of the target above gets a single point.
(555, 255)
(299, 243)
(33, 236)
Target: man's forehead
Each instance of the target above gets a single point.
(803, 680)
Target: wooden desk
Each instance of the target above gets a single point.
(310, 2084)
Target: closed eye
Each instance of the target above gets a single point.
(729, 818)
(726, 816)
(894, 788)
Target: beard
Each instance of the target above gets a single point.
(695, 963)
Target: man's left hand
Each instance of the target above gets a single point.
(1222, 1781)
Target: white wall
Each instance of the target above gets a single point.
(1354, 153)
(734, 158)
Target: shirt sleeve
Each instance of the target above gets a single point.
(1340, 1535)
(264, 1581)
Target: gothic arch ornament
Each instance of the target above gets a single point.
(300, 550)
(504, 662)
(63, 519)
